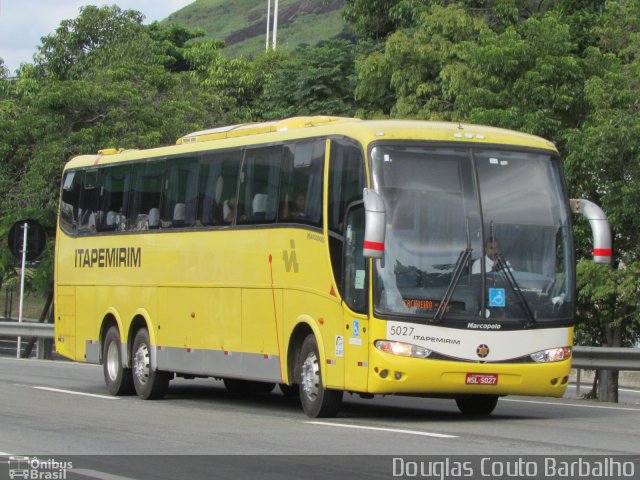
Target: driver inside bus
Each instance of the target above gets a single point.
(491, 249)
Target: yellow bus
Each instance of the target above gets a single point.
(326, 255)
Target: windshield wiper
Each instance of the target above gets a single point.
(463, 258)
(504, 268)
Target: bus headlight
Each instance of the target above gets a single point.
(402, 349)
(551, 355)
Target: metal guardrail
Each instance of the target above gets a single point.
(26, 329)
(606, 358)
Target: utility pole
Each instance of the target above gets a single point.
(266, 44)
(275, 25)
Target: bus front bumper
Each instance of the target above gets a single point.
(390, 374)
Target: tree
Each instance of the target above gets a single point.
(371, 18)
(237, 82)
(414, 64)
(377, 19)
(69, 52)
(313, 80)
(173, 39)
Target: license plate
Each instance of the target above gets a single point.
(482, 379)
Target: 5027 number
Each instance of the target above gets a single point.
(400, 330)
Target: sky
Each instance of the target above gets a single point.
(24, 22)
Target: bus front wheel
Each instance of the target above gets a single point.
(117, 378)
(149, 384)
(316, 400)
(477, 404)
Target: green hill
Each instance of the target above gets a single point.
(242, 24)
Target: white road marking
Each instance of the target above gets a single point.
(382, 429)
(71, 392)
(569, 405)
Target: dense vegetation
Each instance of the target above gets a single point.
(568, 70)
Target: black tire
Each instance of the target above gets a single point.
(149, 384)
(118, 379)
(247, 387)
(316, 400)
(477, 405)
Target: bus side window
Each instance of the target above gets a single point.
(259, 179)
(145, 196)
(301, 187)
(347, 178)
(70, 200)
(355, 286)
(114, 197)
(218, 187)
(346, 181)
(89, 202)
(180, 193)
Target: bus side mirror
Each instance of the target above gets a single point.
(375, 224)
(602, 251)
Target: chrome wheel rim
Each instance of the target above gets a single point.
(113, 361)
(310, 377)
(141, 363)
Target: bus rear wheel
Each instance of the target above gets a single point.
(117, 378)
(316, 400)
(477, 404)
(149, 384)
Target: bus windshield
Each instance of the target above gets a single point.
(472, 234)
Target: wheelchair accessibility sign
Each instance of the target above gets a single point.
(497, 297)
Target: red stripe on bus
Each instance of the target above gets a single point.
(602, 252)
(373, 245)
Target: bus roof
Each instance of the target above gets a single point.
(365, 131)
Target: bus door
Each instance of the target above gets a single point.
(346, 181)
(355, 300)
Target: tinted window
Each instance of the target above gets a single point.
(70, 200)
(145, 196)
(218, 188)
(259, 185)
(114, 197)
(88, 214)
(180, 196)
(301, 189)
(346, 181)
